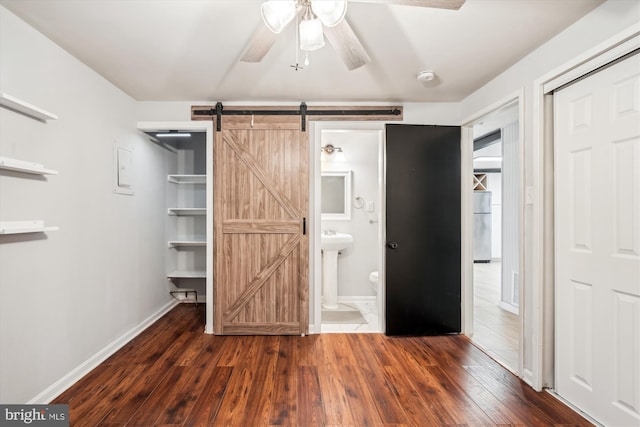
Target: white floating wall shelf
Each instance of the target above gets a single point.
(26, 167)
(187, 211)
(188, 179)
(187, 274)
(19, 227)
(186, 243)
(23, 107)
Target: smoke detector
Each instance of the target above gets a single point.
(426, 76)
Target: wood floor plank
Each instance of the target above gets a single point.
(261, 390)
(172, 374)
(508, 388)
(362, 406)
(149, 411)
(206, 407)
(332, 384)
(417, 410)
(152, 376)
(310, 410)
(285, 385)
(389, 409)
(99, 405)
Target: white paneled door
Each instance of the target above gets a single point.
(597, 144)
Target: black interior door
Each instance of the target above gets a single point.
(423, 271)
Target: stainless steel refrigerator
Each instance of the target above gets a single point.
(482, 226)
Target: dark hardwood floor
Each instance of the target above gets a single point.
(173, 374)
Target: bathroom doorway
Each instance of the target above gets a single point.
(497, 171)
(347, 248)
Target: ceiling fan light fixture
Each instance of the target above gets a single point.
(330, 12)
(276, 14)
(311, 36)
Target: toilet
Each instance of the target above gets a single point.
(373, 278)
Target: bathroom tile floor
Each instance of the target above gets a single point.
(368, 310)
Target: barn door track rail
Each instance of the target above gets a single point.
(357, 113)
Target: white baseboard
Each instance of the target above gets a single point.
(527, 377)
(55, 389)
(575, 408)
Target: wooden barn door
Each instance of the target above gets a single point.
(261, 189)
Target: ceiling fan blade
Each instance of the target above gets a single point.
(262, 40)
(347, 45)
(260, 43)
(438, 4)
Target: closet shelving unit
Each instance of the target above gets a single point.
(188, 247)
(7, 163)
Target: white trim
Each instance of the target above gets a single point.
(607, 51)
(628, 41)
(467, 217)
(315, 287)
(575, 408)
(207, 127)
(96, 359)
(521, 236)
(505, 101)
(527, 376)
(509, 307)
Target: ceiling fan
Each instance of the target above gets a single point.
(319, 19)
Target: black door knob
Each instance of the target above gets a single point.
(392, 245)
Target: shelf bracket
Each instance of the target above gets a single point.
(186, 293)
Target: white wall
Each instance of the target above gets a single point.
(602, 23)
(66, 295)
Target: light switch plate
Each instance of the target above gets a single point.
(528, 195)
(369, 206)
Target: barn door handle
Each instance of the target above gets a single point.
(304, 226)
(392, 245)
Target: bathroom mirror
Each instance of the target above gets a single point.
(336, 195)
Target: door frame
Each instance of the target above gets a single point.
(315, 268)
(207, 128)
(467, 215)
(542, 372)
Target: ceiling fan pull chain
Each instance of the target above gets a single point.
(306, 59)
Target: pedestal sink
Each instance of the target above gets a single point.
(331, 244)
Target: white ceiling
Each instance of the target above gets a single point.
(189, 49)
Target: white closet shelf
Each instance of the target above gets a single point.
(187, 211)
(18, 227)
(27, 167)
(187, 274)
(16, 104)
(188, 179)
(187, 243)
